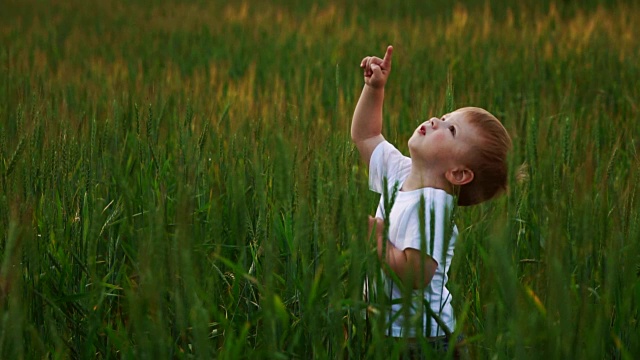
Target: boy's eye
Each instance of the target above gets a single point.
(453, 130)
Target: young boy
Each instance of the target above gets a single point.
(461, 154)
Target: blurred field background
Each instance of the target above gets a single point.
(177, 178)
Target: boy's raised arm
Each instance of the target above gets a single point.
(366, 126)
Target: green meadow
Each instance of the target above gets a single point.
(177, 178)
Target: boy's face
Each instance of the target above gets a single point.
(444, 143)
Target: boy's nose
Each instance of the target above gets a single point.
(434, 122)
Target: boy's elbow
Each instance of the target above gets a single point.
(419, 284)
(423, 268)
(360, 143)
(356, 137)
(361, 134)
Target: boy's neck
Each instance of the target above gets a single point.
(422, 179)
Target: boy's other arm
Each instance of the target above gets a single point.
(413, 267)
(366, 126)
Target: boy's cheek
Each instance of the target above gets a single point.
(438, 136)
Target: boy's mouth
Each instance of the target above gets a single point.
(423, 130)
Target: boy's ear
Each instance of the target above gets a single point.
(459, 176)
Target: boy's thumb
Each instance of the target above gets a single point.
(376, 69)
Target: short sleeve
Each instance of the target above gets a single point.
(387, 162)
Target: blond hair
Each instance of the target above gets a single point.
(487, 158)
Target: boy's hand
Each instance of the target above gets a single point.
(376, 70)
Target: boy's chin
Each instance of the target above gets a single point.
(414, 154)
(418, 153)
(414, 145)
(410, 149)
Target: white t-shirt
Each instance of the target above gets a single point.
(404, 232)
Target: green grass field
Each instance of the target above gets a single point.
(177, 178)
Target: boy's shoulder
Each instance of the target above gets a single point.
(386, 157)
(387, 166)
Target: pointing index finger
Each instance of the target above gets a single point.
(387, 56)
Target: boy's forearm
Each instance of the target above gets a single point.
(367, 117)
(394, 257)
(409, 269)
